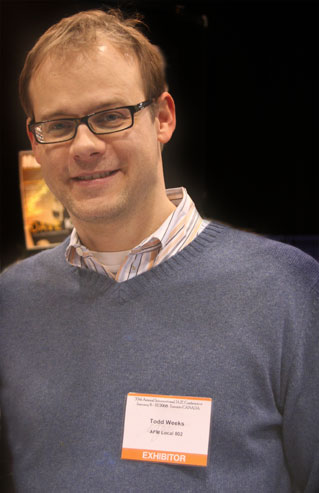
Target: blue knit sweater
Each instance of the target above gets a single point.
(232, 316)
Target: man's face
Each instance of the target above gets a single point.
(98, 178)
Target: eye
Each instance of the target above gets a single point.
(111, 119)
(58, 127)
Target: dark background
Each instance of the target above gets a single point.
(244, 76)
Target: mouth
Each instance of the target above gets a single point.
(95, 176)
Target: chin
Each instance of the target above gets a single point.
(102, 209)
(96, 215)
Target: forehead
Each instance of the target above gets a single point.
(80, 82)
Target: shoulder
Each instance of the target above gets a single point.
(273, 254)
(254, 256)
(37, 267)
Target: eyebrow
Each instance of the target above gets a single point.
(64, 113)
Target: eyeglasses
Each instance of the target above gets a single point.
(102, 122)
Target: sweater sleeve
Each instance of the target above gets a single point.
(301, 409)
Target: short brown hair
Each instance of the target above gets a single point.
(80, 32)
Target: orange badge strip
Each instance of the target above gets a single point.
(162, 456)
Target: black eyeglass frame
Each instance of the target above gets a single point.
(85, 119)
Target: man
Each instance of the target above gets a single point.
(146, 297)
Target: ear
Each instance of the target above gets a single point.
(34, 143)
(166, 117)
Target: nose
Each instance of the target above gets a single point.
(86, 147)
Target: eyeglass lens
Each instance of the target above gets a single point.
(101, 122)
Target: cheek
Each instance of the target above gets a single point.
(52, 166)
(145, 146)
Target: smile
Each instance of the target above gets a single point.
(95, 176)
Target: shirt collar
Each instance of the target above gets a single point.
(178, 196)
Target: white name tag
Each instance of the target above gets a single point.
(167, 428)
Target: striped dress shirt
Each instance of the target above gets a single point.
(176, 232)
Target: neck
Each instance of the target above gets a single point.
(123, 233)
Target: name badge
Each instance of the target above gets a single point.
(167, 428)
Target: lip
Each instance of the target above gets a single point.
(95, 177)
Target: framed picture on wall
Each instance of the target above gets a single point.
(46, 222)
